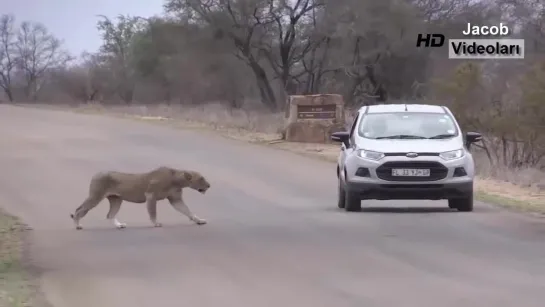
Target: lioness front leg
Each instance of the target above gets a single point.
(151, 203)
(115, 205)
(180, 206)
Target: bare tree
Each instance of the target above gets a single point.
(37, 51)
(242, 22)
(290, 40)
(89, 80)
(7, 53)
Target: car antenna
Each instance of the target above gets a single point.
(406, 107)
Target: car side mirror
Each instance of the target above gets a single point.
(341, 137)
(473, 137)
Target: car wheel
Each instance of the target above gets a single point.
(462, 204)
(352, 201)
(340, 195)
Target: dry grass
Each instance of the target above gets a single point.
(511, 188)
(15, 284)
(215, 116)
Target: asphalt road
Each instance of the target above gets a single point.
(274, 236)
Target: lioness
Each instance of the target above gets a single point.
(158, 184)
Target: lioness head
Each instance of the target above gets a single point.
(197, 181)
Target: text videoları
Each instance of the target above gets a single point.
(478, 48)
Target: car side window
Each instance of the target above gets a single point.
(353, 129)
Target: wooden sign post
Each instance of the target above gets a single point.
(313, 118)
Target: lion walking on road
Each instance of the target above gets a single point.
(158, 184)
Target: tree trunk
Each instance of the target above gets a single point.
(9, 93)
(264, 85)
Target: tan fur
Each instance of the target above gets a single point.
(158, 184)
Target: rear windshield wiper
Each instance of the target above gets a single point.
(400, 136)
(442, 136)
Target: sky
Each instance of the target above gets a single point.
(74, 21)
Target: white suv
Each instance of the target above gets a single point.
(405, 151)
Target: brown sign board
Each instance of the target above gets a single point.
(316, 111)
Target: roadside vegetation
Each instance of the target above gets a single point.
(15, 284)
(229, 65)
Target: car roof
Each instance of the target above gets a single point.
(387, 108)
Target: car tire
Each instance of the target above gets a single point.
(462, 204)
(352, 201)
(341, 195)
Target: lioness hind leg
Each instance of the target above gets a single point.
(88, 204)
(115, 205)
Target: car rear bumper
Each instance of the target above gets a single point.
(430, 191)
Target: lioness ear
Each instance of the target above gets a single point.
(188, 176)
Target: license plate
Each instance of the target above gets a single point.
(404, 172)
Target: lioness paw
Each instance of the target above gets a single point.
(200, 221)
(79, 227)
(157, 225)
(121, 226)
